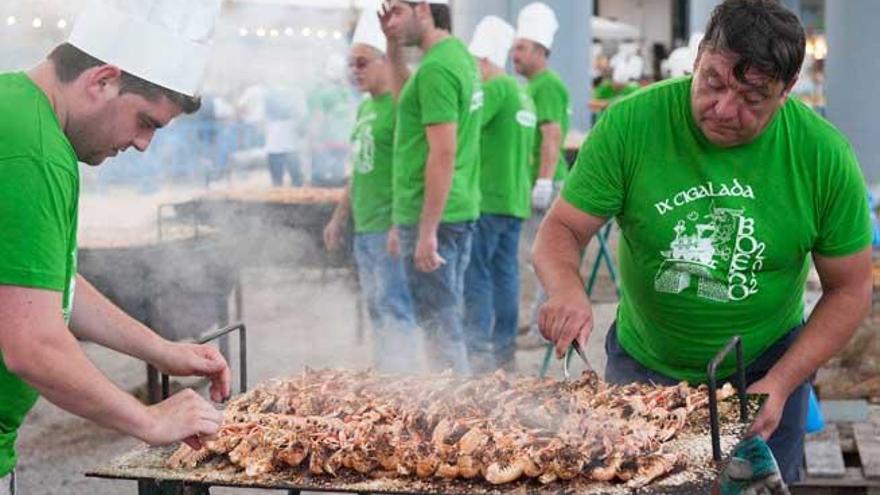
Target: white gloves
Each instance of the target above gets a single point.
(542, 194)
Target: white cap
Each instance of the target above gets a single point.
(492, 40)
(537, 22)
(369, 32)
(165, 42)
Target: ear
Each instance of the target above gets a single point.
(423, 12)
(787, 91)
(697, 60)
(102, 82)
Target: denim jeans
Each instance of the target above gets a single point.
(389, 304)
(491, 293)
(281, 162)
(437, 296)
(787, 443)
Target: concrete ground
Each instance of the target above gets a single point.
(294, 320)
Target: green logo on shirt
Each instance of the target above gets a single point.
(717, 248)
(364, 145)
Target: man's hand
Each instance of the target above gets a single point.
(394, 242)
(426, 258)
(384, 14)
(333, 234)
(181, 359)
(564, 318)
(542, 194)
(769, 416)
(185, 416)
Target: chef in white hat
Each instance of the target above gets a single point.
(492, 277)
(368, 199)
(436, 167)
(129, 68)
(536, 30)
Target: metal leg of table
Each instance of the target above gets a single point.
(154, 394)
(603, 257)
(150, 487)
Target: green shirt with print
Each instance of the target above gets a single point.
(445, 89)
(506, 148)
(553, 106)
(372, 154)
(39, 191)
(715, 242)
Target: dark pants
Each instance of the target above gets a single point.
(787, 443)
(281, 162)
(491, 293)
(438, 296)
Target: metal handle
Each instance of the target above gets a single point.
(161, 217)
(242, 355)
(712, 371)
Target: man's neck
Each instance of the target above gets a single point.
(539, 68)
(494, 72)
(43, 76)
(432, 37)
(380, 90)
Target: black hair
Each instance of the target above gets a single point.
(70, 62)
(441, 14)
(765, 36)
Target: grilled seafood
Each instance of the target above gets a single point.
(496, 428)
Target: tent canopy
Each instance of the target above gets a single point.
(606, 29)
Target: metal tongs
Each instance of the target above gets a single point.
(567, 359)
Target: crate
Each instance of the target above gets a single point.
(844, 458)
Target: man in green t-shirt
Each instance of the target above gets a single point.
(368, 198)
(612, 89)
(492, 278)
(723, 187)
(75, 107)
(537, 26)
(436, 168)
(536, 30)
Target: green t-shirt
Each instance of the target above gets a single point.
(445, 89)
(39, 191)
(715, 242)
(372, 148)
(607, 91)
(553, 106)
(506, 143)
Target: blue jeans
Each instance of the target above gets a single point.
(491, 293)
(281, 162)
(438, 296)
(787, 443)
(389, 304)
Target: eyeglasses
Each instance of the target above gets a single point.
(360, 63)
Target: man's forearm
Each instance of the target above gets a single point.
(439, 171)
(60, 371)
(549, 153)
(96, 319)
(556, 257)
(343, 208)
(831, 326)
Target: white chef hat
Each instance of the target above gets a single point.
(537, 22)
(369, 32)
(165, 42)
(492, 40)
